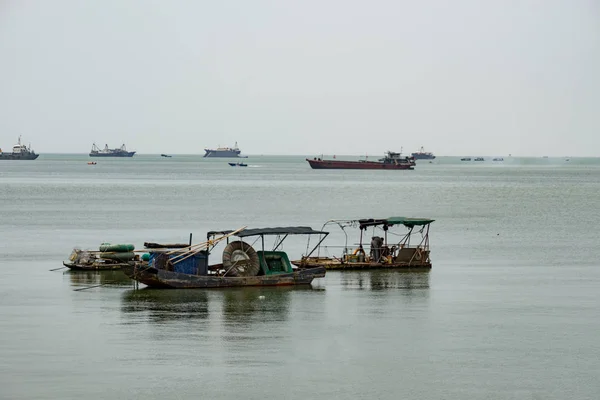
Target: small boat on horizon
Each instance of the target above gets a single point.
(225, 152)
(423, 155)
(479, 159)
(238, 164)
(465, 159)
(166, 155)
(19, 152)
(106, 152)
(498, 159)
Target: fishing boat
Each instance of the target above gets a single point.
(166, 155)
(382, 253)
(108, 257)
(91, 163)
(106, 152)
(479, 159)
(19, 152)
(423, 155)
(498, 159)
(238, 164)
(392, 160)
(465, 159)
(114, 256)
(241, 264)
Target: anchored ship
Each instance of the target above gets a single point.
(423, 155)
(106, 152)
(224, 152)
(392, 160)
(19, 152)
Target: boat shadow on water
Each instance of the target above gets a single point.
(82, 279)
(413, 279)
(235, 306)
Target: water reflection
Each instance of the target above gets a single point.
(88, 278)
(266, 303)
(165, 305)
(245, 310)
(238, 307)
(383, 280)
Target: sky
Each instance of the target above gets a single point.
(462, 77)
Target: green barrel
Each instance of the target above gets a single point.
(146, 257)
(117, 247)
(122, 256)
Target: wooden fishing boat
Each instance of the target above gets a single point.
(241, 265)
(110, 257)
(381, 254)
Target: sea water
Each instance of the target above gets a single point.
(510, 309)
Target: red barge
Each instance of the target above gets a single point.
(391, 160)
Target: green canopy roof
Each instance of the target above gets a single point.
(408, 222)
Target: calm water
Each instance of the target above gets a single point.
(510, 309)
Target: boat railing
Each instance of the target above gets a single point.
(356, 248)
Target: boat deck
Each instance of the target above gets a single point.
(337, 264)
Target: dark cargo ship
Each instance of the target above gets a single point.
(423, 155)
(106, 152)
(225, 152)
(391, 160)
(19, 152)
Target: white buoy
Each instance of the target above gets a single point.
(261, 297)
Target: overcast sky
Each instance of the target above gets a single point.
(302, 77)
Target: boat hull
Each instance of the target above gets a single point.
(13, 156)
(123, 154)
(338, 164)
(159, 278)
(420, 156)
(222, 153)
(94, 267)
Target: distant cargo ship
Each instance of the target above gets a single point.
(423, 155)
(19, 152)
(106, 152)
(224, 152)
(391, 160)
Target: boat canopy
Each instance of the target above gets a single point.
(408, 222)
(286, 230)
(215, 233)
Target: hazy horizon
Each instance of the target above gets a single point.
(305, 78)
